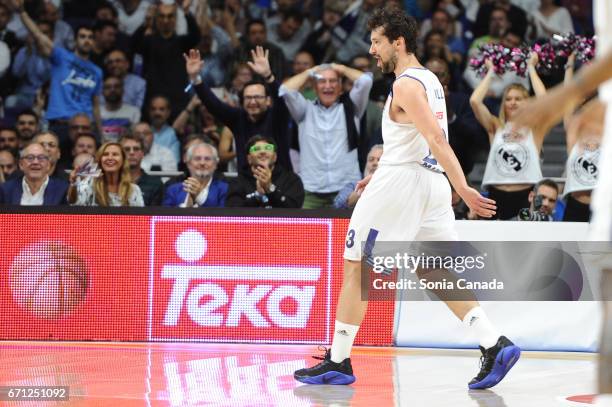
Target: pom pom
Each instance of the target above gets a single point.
(551, 55)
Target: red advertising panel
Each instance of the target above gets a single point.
(175, 278)
(241, 279)
(73, 277)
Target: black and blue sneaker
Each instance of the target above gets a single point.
(495, 363)
(327, 372)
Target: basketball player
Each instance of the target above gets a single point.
(548, 110)
(408, 199)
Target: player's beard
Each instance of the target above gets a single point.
(389, 66)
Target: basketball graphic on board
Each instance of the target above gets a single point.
(49, 279)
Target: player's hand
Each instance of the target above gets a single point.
(481, 206)
(362, 184)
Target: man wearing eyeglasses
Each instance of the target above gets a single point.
(328, 129)
(265, 184)
(35, 187)
(262, 110)
(200, 189)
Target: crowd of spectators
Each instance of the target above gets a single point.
(247, 103)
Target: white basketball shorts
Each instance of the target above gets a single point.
(403, 203)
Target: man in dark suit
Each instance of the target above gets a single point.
(35, 187)
(200, 189)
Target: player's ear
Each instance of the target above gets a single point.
(399, 42)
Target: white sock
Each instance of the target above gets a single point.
(477, 321)
(603, 400)
(344, 335)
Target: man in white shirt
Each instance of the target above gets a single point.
(327, 129)
(117, 116)
(157, 157)
(35, 187)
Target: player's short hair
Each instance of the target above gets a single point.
(396, 23)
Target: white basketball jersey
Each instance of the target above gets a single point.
(403, 142)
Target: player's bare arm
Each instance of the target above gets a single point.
(410, 106)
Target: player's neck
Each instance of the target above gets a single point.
(406, 61)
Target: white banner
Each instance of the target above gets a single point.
(551, 326)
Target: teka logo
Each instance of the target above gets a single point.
(224, 279)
